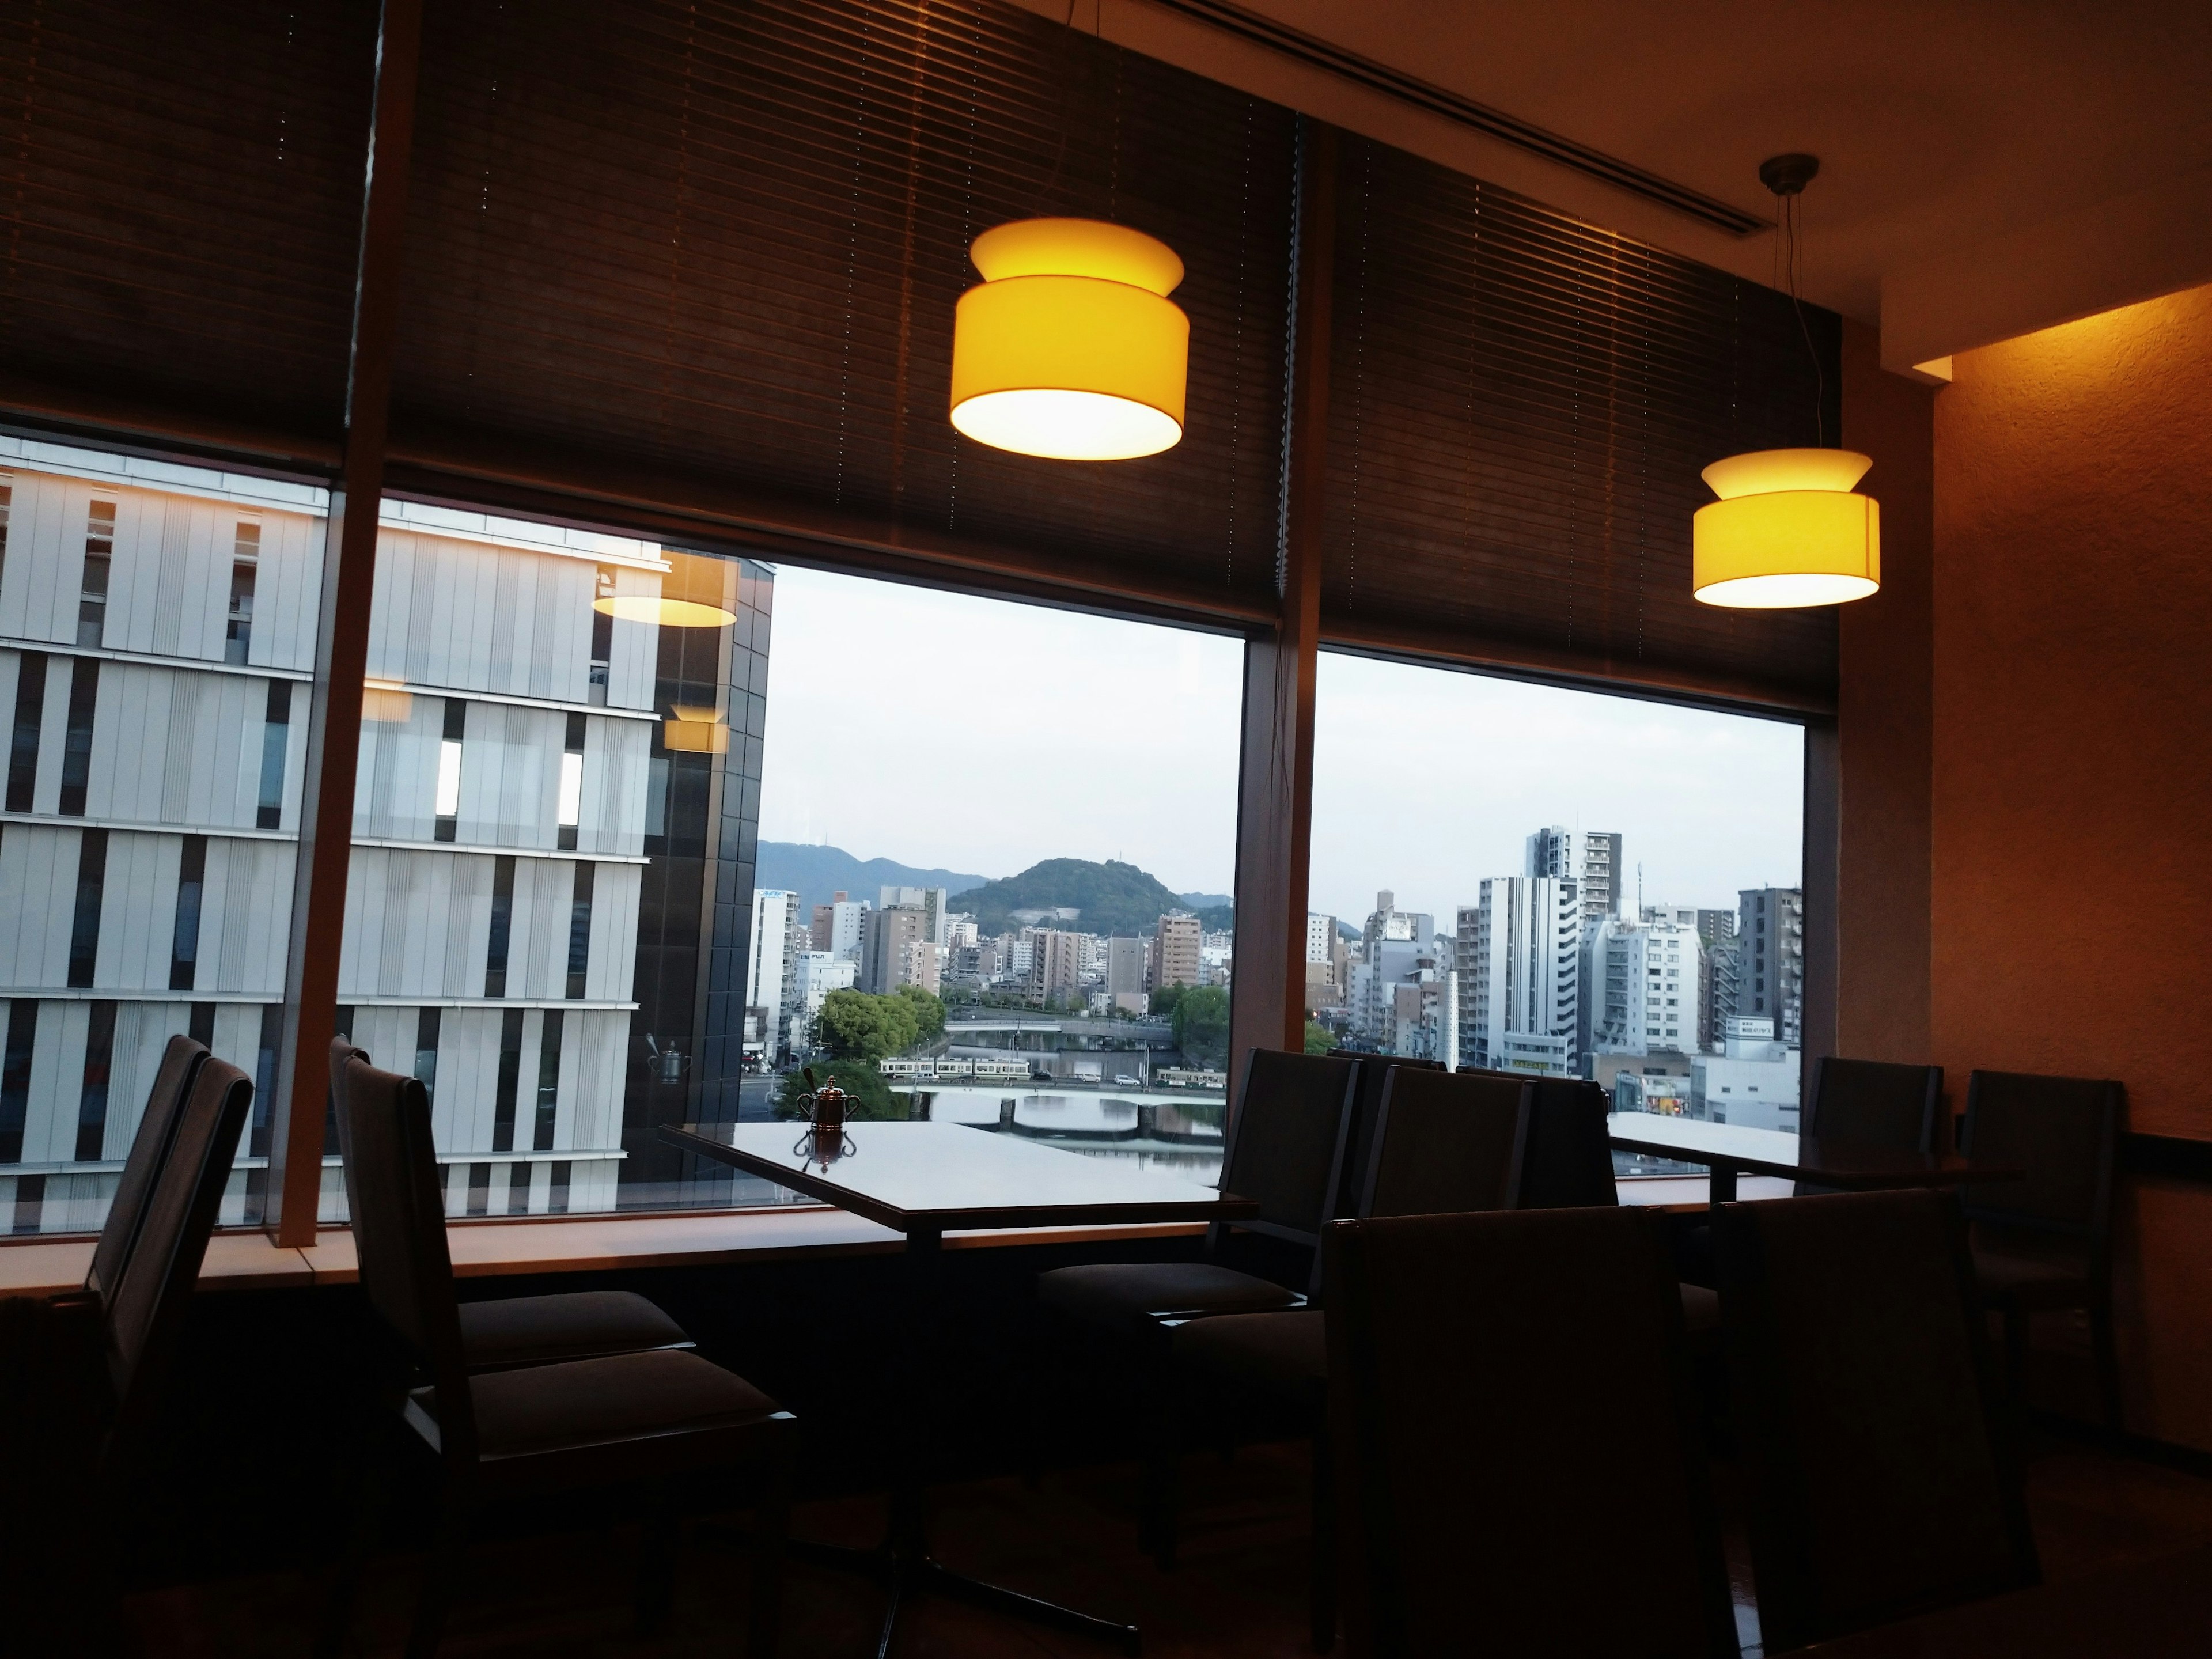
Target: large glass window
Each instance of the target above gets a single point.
(640, 832)
(1526, 878)
(156, 644)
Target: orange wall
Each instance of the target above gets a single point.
(2070, 908)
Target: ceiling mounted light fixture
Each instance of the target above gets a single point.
(1788, 530)
(664, 613)
(1069, 347)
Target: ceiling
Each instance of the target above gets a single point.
(1988, 166)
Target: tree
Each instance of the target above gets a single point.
(854, 1024)
(872, 1098)
(1319, 1039)
(1164, 999)
(1202, 1024)
(928, 1011)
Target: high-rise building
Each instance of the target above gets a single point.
(815, 974)
(1125, 966)
(1771, 960)
(1519, 962)
(1174, 954)
(771, 967)
(1646, 986)
(823, 924)
(886, 962)
(1589, 858)
(934, 903)
(1716, 991)
(535, 847)
(1321, 938)
(1055, 965)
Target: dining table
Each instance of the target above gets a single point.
(1728, 1150)
(923, 1180)
(2152, 1607)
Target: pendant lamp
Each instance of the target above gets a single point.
(1070, 348)
(1788, 530)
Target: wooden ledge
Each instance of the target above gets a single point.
(247, 1260)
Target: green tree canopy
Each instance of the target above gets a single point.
(1164, 999)
(856, 1025)
(1319, 1041)
(872, 1099)
(1202, 1024)
(928, 1011)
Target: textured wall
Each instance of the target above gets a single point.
(1884, 724)
(2071, 917)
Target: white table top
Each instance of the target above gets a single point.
(941, 1177)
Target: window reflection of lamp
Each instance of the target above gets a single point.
(695, 732)
(385, 703)
(665, 613)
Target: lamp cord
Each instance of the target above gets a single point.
(1789, 249)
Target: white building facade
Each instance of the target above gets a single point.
(1519, 962)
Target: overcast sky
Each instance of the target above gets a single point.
(973, 734)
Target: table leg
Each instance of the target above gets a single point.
(902, 1563)
(1720, 1178)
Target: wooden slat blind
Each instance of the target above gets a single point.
(720, 245)
(180, 208)
(1520, 408)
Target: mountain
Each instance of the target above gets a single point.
(1112, 897)
(817, 872)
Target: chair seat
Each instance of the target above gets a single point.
(596, 1403)
(1126, 1293)
(1283, 1353)
(534, 1330)
(2028, 1282)
(1701, 1310)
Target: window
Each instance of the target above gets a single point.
(630, 816)
(152, 793)
(1570, 846)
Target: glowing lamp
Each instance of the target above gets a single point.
(1788, 531)
(695, 732)
(665, 613)
(1070, 348)
(387, 702)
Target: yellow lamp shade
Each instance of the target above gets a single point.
(1788, 531)
(1070, 348)
(666, 613)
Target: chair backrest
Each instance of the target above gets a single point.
(399, 1214)
(1873, 1102)
(1447, 1141)
(1287, 1138)
(1503, 1389)
(2063, 1132)
(149, 1148)
(1569, 1164)
(1865, 1404)
(145, 1311)
(1360, 1134)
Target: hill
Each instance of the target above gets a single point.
(1111, 897)
(816, 873)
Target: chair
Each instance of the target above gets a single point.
(536, 1330)
(1285, 1150)
(1568, 1165)
(1874, 1103)
(2044, 1244)
(149, 1151)
(1865, 1404)
(641, 1418)
(1360, 1134)
(1443, 1143)
(1515, 1439)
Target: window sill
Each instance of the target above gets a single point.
(247, 1261)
